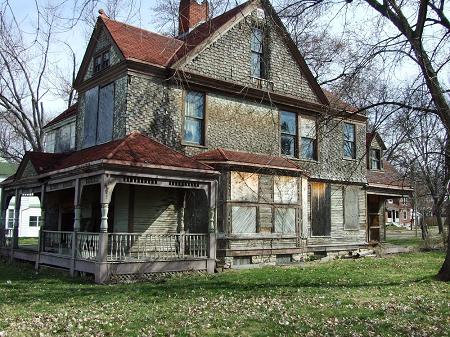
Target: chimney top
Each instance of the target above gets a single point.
(191, 14)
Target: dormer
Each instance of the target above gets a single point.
(375, 151)
(60, 133)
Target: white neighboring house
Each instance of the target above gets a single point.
(30, 209)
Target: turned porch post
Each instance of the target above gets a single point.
(181, 229)
(76, 224)
(212, 227)
(3, 209)
(106, 189)
(15, 239)
(41, 226)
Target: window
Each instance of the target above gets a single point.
(243, 219)
(194, 117)
(99, 115)
(285, 190)
(285, 220)
(308, 141)
(66, 138)
(34, 221)
(375, 159)
(351, 207)
(10, 218)
(101, 61)
(320, 196)
(49, 142)
(288, 122)
(349, 141)
(257, 62)
(244, 186)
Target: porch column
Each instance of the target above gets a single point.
(15, 240)
(106, 189)
(181, 216)
(41, 226)
(212, 228)
(76, 225)
(2, 219)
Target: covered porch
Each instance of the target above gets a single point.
(117, 223)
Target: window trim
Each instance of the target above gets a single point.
(37, 220)
(353, 157)
(204, 143)
(296, 141)
(262, 68)
(315, 141)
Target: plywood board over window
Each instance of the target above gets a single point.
(243, 219)
(285, 220)
(244, 186)
(351, 207)
(285, 190)
(320, 209)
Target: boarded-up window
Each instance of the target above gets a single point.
(285, 190)
(244, 186)
(90, 117)
(285, 220)
(351, 207)
(320, 209)
(105, 114)
(243, 219)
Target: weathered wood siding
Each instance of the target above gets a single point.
(339, 233)
(121, 202)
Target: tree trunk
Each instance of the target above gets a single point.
(444, 272)
(438, 214)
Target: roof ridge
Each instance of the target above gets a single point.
(105, 18)
(125, 140)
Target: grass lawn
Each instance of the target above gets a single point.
(28, 241)
(395, 296)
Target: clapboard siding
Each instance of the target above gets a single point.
(155, 210)
(121, 195)
(339, 234)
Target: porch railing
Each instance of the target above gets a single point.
(6, 237)
(86, 245)
(56, 242)
(134, 246)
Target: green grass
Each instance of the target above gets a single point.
(28, 241)
(395, 296)
(416, 242)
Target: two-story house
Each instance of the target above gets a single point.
(215, 145)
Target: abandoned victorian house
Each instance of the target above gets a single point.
(216, 146)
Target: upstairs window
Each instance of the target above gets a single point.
(349, 141)
(98, 115)
(66, 138)
(309, 139)
(49, 143)
(375, 159)
(194, 117)
(101, 61)
(288, 123)
(257, 62)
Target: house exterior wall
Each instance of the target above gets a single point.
(228, 58)
(29, 207)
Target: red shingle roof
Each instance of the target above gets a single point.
(140, 44)
(71, 111)
(133, 150)
(389, 177)
(338, 103)
(246, 158)
(205, 30)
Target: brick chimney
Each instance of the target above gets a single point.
(191, 13)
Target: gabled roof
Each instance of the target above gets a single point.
(337, 103)
(374, 134)
(389, 178)
(223, 156)
(139, 44)
(135, 149)
(70, 112)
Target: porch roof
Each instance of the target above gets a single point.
(389, 178)
(223, 156)
(135, 149)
